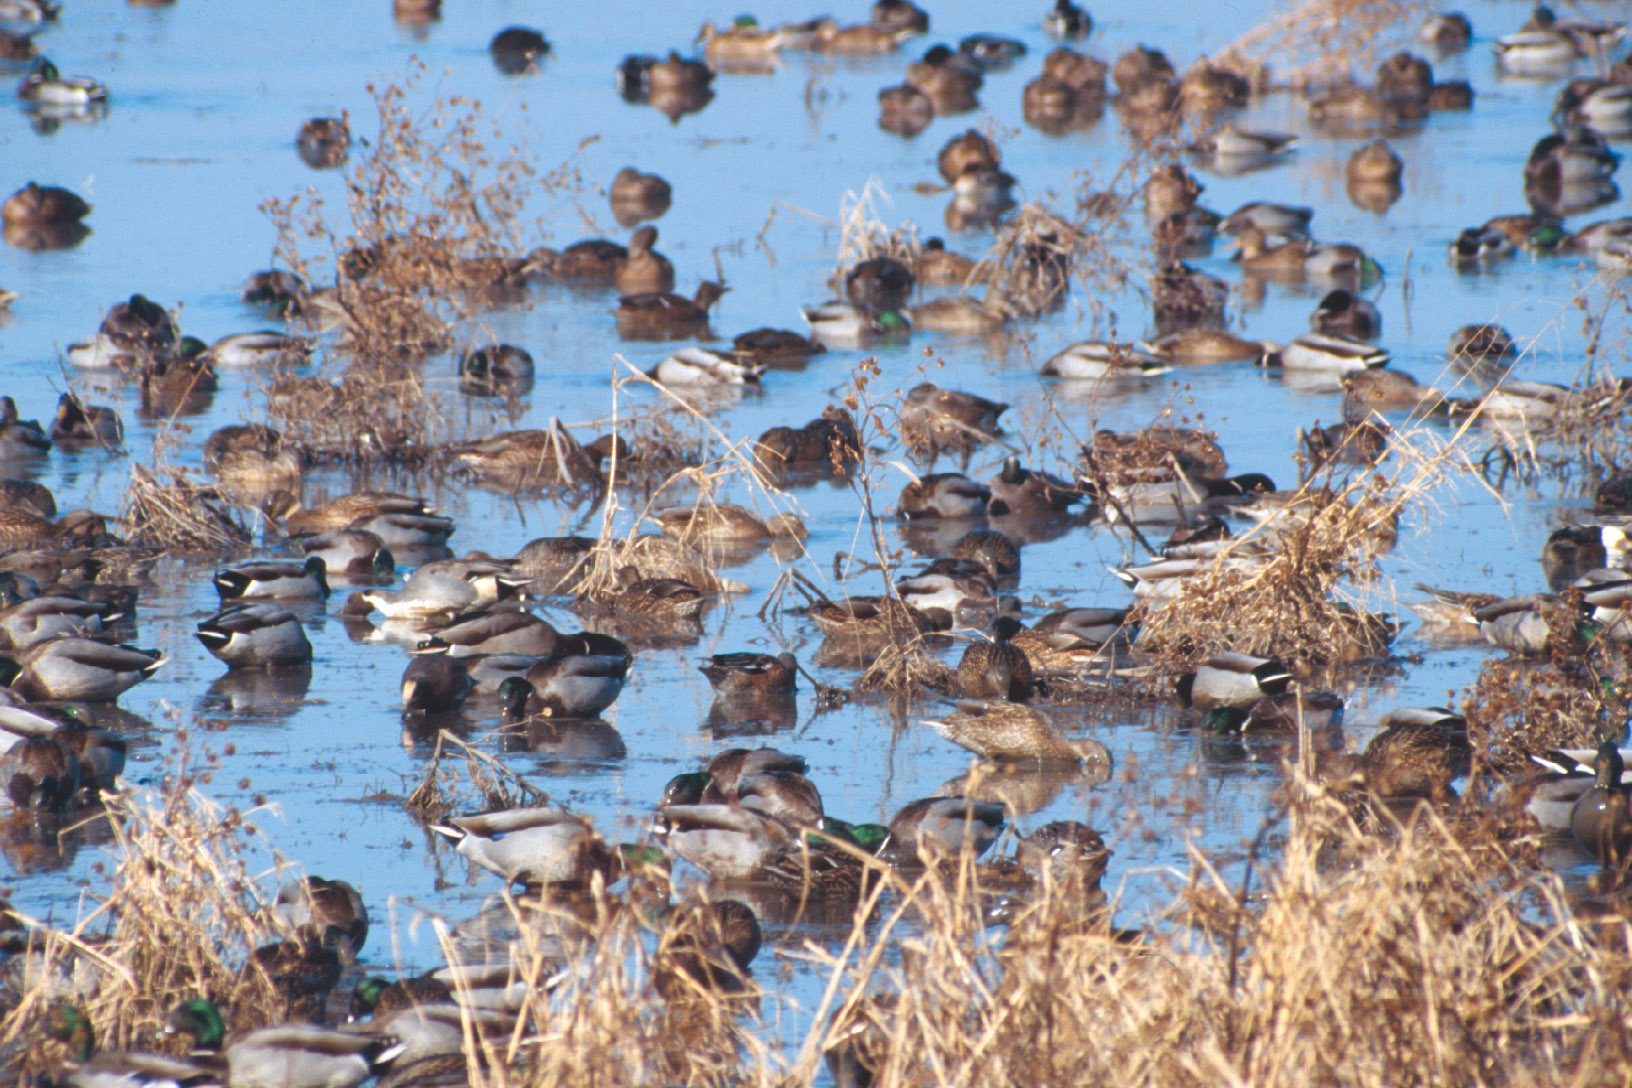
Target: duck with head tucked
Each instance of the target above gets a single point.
(667, 316)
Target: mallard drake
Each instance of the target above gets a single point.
(323, 142)
(29, 622)
(1478, 246)
(991, 51)
(989, 550)
(425, 598)
(829, 443)
(378, 998)
(1302, 257)
(844, 324)
(868, 617)
(1232, 145)
(68, 1023)
(742, 44)
(45, 86)
(943, 590)
(1097, 360)
(702, 367)
(929, 829)
(504, 632)
(42, 206)
(516, 50)
(1373, 163)
(289, 1055)
(643, 270)
(1327, 353)
(943, 495)
(542, 845)
(879, 283)
(246, 349)
(636, 196)
(77, 669)
(1530, 624)
(1285, 220)
(435, 684)
(1536, 52)
(355, 555)
(578, 684)
(1232, 679)
(282, 292)
(997, 669)
(1573, 156)
(667, 316)
(20, 438)
(1066, 20)
(1604, 107)
(271, 580)
(1573, 550)
(725, 522)
(256, 636)
(751, 674)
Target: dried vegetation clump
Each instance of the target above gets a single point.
(1576, 699)
(181, 514)
(1322, 41)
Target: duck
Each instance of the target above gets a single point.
(435, 683)
(737, 675)
(540, 845)
(1207, 87)
(41, 773)
(1278, 219)
(247, 472)
(32, 621)
(667, 316)
(936, 266)
(1006, 732)
(929, 829)
(1233, 679)
(282, 292)
(68, 1023)
(1071, 637)
(643, 270)
(829, 442)
(1302, 257)
(1017, 491)
(287, 1055)
(1205, 345)
(1416, 755)
(522, 460)
(426, 598)
(839, 323)
(43, 206)
(247, 349)
(943, 495)
(862, 39)
(744, 42)
(774, 347)
(343, 512)
(996, 669)
(355, 555)
(636, 196)
(1530, 624)
(949, 79)
(577, 684)
(32, 497)
(868, 618)
(323, 142)
(1595, 104)
(1480, 344)
(904, 110)
(1574, 156)
(256, 636)
(708, 949)
(1097, 360)
(728, 842)
(1536, 52)
(377, 998)
(46, 86)
(592, 260)
(1325, 353)
(1236, 144)
(270, 580)
(504, 632)
(990, 551)
(1372, 164)
(74, 668)
(1448, 30)
(329, 912)
(517, 50)
(971, 150)
(20, 438)
(1066, 20)
(1478, 246)
(900, 15)
(702, 367)
(962, 315)
(879, 283)
(1343, 313)
(1599, 819)
(946, 418)
(497, 367)
(725, 522)
(1382, 389)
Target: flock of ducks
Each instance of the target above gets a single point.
(752, 820)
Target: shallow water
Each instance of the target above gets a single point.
(201, 131)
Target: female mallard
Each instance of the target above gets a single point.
(774, 347)
(42, 206)
(20, 438)
(77, 669)
(256, 636)
(1383, 388)
(829, 443)
(1018, 491)
(1413, 757)
(989, 550)
(702, 367)
(725, 522)
(1006, 732)
(355, 555)
(286, 1056)
(997, 669)
(1205, 345)
(340, 513)
(1480, 343)
(45, 86)
(655, 598)
(861, 39)
(1372, 164)
(949, 79)
(868, 617)
(1232, 679)
(644, 270)
(1302, 257)
(927, 830)
(636, 196)
(1097, 360)
(751, 674)
(937, 266)
(667, 316)
(274, 581)
(530, 459)
(1325, 353)
(329, 912)
(961, 315)
(34, 498)
(1600, 820)
(40, 773)
(542, 845)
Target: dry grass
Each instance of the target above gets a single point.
(181, 515)
(1323, 41)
